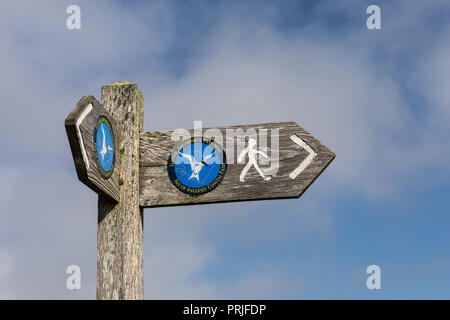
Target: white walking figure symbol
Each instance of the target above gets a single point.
(252, 160)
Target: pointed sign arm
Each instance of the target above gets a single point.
(80, 124)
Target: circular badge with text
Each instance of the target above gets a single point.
(104, 147)
(197, 165)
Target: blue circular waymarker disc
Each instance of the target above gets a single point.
(104, 147)
(197, 165)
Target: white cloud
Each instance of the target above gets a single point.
(249, 78)
(50, 68)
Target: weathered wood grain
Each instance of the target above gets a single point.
(88, 173)
(156, 189)
(120, 225)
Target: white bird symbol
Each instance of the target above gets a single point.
(105, 148)
(196, 166)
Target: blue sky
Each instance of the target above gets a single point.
(378, 98)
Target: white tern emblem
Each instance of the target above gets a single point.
(105, 148)
(196, 166)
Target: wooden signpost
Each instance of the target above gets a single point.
(131, 170)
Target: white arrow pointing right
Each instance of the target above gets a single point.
(305, 163)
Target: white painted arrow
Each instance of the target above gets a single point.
(305, 163)
(86, 111)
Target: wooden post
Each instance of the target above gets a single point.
(120, 225)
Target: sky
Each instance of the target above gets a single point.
(378, 98)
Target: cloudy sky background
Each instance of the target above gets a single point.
(379, 99)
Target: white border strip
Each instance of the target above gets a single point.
(80, 138)
(305, 163)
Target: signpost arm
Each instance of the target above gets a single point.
(120, 225)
